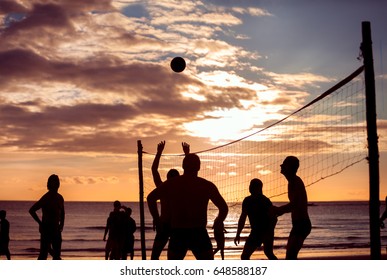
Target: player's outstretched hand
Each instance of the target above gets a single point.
(160, 147)
(185, 148)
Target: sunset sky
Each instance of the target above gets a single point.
(82, 81)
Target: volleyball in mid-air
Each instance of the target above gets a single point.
(178, 64)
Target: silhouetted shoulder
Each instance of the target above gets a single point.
(205, 182)
(51, 196)
(297, 182)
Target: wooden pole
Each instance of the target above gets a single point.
(372, 137)
(141, 188)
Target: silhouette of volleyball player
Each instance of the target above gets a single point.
(115, 229)
(297, 206)
(52, 222)
(384, 216)
(219, 232)
(4, 235)
(260, 211)
(130, 228)
(187, 197)
(163, 230)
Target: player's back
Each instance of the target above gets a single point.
(188, 198)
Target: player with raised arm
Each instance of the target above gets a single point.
(163, 227)
(187, 197)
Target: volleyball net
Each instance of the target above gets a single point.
(328, 135)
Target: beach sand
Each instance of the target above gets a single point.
(333, 254)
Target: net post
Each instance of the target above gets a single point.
(141, 194)
(372, 137)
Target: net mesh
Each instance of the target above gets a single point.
(328, 135)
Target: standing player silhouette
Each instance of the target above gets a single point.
(52, 222)
(187, 197)
(4, 235)
(297, 206)
(163, 228)
(261, 213)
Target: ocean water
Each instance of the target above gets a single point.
(337, 228)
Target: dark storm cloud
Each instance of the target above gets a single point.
(21, 118)
(23, 64)
(39, 17)
(7, 7)
(55, 126)
(39, 25)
